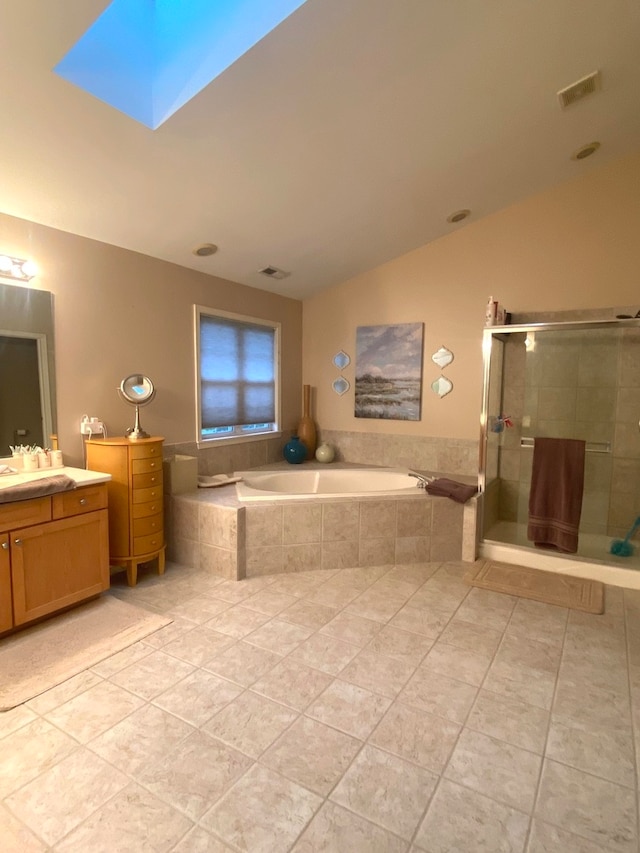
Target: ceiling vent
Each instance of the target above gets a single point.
(589, 85)
(274, 272)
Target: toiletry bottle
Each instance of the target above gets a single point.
(491, 312)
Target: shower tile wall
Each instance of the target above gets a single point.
(625, 492)
(575, 384)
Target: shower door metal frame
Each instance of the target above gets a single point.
(502, 332)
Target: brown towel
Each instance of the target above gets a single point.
(555, 499)
(459, 492)
(38, 488)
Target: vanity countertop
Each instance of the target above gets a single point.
(80, 475)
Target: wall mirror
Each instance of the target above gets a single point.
(27, 367)
(341, 360)
(340, 385)
(442, 386)
(442, 357)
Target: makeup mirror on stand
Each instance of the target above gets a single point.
(137, 390)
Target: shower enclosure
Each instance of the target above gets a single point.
(565, 380)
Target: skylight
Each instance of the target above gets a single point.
(147, 58)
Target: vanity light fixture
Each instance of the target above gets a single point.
(18, 269)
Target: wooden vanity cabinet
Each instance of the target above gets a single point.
(54, 552)
(136, 509)
(6, 600)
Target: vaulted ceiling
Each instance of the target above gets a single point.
(340, 141)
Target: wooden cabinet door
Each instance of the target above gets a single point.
(6, 603)
(58, 564)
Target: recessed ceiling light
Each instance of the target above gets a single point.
(585, 151)
(458, 216)
(205, 250)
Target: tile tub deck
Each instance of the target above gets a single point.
(212, 529)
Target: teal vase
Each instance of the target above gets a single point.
(295, 451)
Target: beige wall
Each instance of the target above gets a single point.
(118, 312)
(574, 246)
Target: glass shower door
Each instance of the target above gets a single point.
(565, 380)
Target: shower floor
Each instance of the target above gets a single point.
(507, 541)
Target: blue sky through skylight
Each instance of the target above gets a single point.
(147, 58)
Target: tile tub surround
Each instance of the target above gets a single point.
(326, 727)
(425, 453)
(212, 530)
(458, 456)
(227, 458)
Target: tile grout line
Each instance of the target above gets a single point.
(536, 795)
(301, 713)
(366, 741)
(462, 725)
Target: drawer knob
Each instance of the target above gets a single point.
(83, 501)
(5, 546)
(17, 541)
(152, 464)
(153, 507)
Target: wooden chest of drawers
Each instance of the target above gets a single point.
(136, 520)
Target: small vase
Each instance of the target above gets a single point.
(295, 451)
(325, 453)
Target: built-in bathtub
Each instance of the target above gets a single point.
(301, 483)
(326, 518)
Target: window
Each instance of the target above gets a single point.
(147, 58)
(237, 362)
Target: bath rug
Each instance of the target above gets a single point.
(38, 658)
(548, 587)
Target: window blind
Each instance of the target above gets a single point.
(237, 372)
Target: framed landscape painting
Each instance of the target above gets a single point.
(389, 371)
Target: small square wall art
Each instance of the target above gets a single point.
(389, 371)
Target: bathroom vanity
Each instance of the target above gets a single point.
(54, 550)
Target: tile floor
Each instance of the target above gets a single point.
(374, 710)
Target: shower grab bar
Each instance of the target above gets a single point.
(591, 447)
